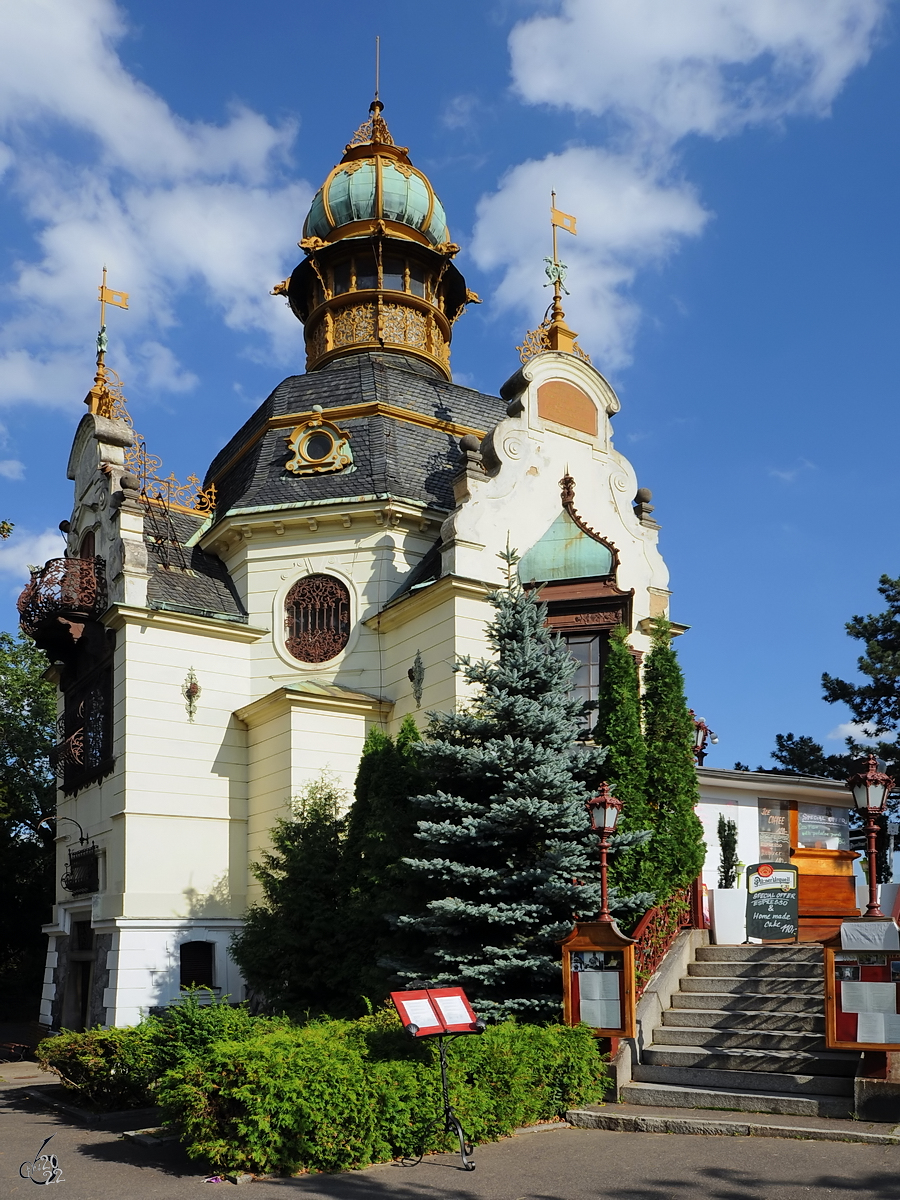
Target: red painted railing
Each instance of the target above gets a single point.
(658, 928)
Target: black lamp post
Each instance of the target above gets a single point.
(702, 734)
(871, 789)
(604, 811)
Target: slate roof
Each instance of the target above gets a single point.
(185, 578)
(391, 457)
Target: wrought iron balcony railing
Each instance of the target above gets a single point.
(82, 873)
(73, 589)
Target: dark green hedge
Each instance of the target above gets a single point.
(266, 1095)
(333, 1095)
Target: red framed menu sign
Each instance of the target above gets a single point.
(435, 1010)
(598, 979)
(862, 999)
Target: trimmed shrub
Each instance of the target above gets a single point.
(117, 1068)
(109, 1068)
(334, 1095)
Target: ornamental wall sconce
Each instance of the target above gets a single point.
(319, 447)
(191, 690)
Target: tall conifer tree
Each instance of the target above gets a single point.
(619, 730)
(507, 854)
(677, 851)
(381, 833)
(290, 949)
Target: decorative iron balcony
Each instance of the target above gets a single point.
(82, 874)
(60, 598)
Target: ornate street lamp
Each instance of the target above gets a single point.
(604, 811)
(871, 789)
(702, 734)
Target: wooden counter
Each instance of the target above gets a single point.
(827, 891)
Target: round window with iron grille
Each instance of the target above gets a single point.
(317, 618)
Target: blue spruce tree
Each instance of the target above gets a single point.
(508, 857)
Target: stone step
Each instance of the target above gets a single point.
(666, 1095)
(811, 952)
(752, 985)
(756, 970)
(769, 1061)
(737, 1039)
(811, 1003)
(744, 1081)
(704, 1018)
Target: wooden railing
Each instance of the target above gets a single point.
(658, 928)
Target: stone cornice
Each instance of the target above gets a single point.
(283, 700)
(408, 607)
(123, 614)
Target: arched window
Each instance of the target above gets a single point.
(196, 964)
(317, 618)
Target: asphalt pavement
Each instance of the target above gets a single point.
(555, 1163)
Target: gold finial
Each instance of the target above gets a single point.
(105, 398)
(377, 63)
(553, 333)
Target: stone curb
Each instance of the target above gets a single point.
(86, 1116)
(584, 1119)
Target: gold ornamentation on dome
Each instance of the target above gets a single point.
(448, 249)
(403, 325)
(319, 447)
(373, 130)
(355, 323)
(280, 289)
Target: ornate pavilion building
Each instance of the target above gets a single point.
(216, 646)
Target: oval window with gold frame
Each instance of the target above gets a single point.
(319, 447)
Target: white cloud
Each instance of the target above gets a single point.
(24, 550)
(860, 733)
(658, 70)
(169, 205)
(630, 214)
(11, 468)
(694, 66)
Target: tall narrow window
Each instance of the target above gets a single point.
(585, 649)
(317, 618)
(366, 271)
(393, 274)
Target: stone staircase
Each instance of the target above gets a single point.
(746, 1032)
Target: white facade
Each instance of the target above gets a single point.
(194, 788)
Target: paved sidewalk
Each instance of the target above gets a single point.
(557, 1163)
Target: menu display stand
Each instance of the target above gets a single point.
(444, 1013)
(862, 987)
(598, 979)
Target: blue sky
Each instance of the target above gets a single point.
(734, 168)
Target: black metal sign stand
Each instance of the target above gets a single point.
(445, 1014)
(451, 1120)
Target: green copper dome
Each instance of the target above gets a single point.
(375, 181)
(564, 552)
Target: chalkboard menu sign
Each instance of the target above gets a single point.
(772, 909)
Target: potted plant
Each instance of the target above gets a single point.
(729, 905)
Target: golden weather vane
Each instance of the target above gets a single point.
(553, 333)
(107, 296)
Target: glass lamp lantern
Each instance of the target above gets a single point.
(870, 788)
(604, 810)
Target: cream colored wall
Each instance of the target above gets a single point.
(183, 808)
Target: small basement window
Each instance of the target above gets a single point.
(197, 960)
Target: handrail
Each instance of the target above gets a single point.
(658, 928)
